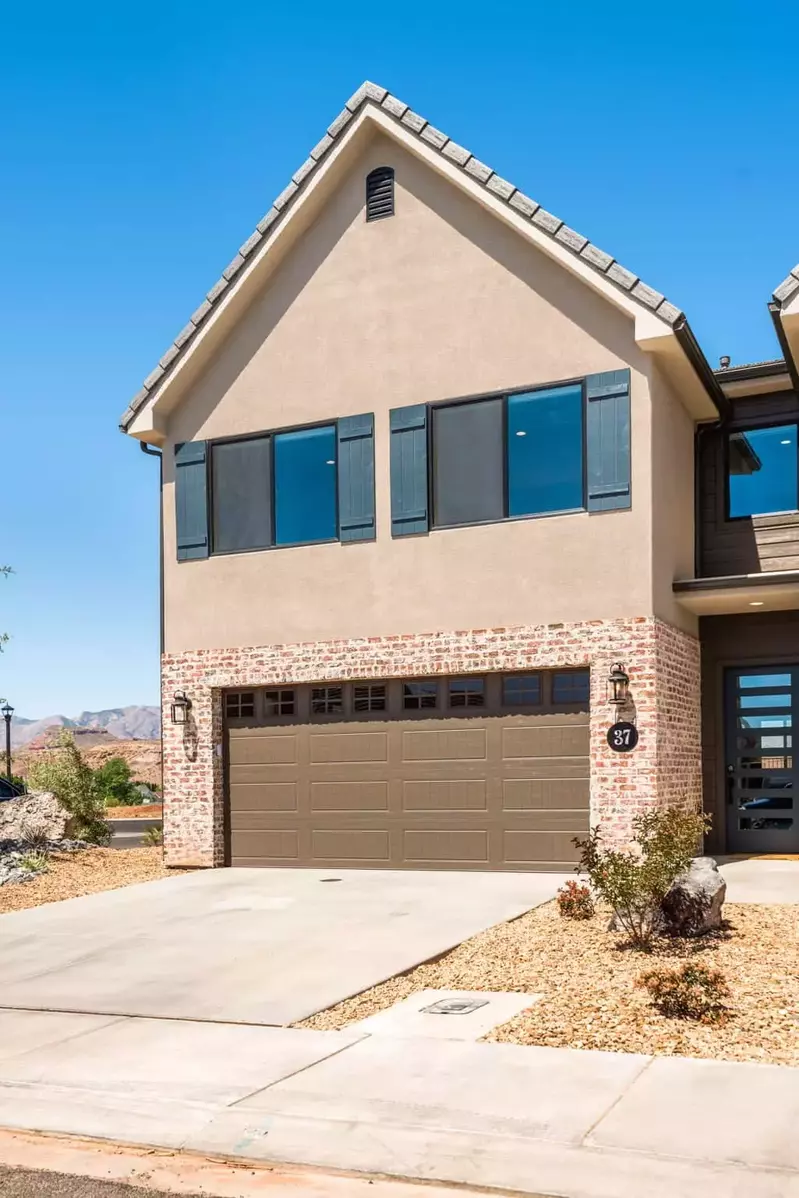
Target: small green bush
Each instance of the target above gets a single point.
(154, 836)
(634, 883)
(35, 863)
(692, 992)
(575, 901)
(65, 774)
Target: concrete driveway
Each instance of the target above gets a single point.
(247, 945)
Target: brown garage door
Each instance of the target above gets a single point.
(489, 772)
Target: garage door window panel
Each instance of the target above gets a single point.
(467, 692)
(521, 690)
(571, 687)
(368, 697)
(420, 696)
(280, 702)
(327, 700)
(240, 705)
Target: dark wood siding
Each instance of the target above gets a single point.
(746, 546)
(766, 638)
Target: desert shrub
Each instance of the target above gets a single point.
(35, 863)
(635, 882)
(65, 774)
(36, 835)
(115, 784)
(575, 901)
(691, 992)
(154, 836)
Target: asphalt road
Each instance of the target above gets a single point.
(31, 1183)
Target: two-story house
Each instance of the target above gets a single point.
(433, 465)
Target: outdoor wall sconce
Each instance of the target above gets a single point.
(618, 685)
(180, 708)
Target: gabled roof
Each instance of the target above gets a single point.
(553, 227)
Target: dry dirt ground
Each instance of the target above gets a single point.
(587, 978)
(146, 811)
(85, 872)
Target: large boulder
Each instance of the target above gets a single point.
(38, 810)
(693, 904)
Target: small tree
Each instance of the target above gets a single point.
(634, 883)
(74, 783)
(114, 781)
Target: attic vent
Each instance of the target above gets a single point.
(380, 193)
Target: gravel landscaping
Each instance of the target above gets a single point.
(587, 978)
(82, 870)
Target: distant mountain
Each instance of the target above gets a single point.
(124, 723)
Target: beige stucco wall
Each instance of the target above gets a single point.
(438, 302)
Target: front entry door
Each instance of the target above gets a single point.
(761, 780)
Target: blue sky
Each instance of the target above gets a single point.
(141, 144)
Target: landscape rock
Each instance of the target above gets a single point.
(693, 905)
(14, 852)
(37, 810)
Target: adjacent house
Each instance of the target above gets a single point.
(434, 467)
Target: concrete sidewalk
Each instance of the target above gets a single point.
(537, 1120)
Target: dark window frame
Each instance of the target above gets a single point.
(516, 703)
(281, 701)
(747, 426)
(327, 687)
(369, 698)
(239, 696)
(505, 395)
(418, 706)
(573, 670)
(269, 434)
(465, 679)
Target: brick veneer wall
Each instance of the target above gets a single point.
(663, 664)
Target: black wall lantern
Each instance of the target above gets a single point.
(180, 708)
(618, 685)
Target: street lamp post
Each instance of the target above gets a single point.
(8, 711)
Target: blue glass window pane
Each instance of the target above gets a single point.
(763, 471)
(545, 451)
(305, 486)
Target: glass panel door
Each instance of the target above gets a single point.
(761, 773)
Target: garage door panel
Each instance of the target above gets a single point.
(445, 744)
(348, 747)
(430, 845)
(279, 844)
(350, 844)
(349, 796)
(535, 794)
(264, 796)
(564, 740)
(532, 848)
(462, 794)
(265, 750)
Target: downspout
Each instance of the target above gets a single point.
(156, 453)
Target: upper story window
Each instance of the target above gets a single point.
(380, 193)
(762, 471)
(515, 455)
(274, 490)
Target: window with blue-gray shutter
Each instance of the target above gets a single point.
(608, 440)
(409, 487)
(356, 478)
(191, 500)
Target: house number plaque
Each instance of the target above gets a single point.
(622, 737)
